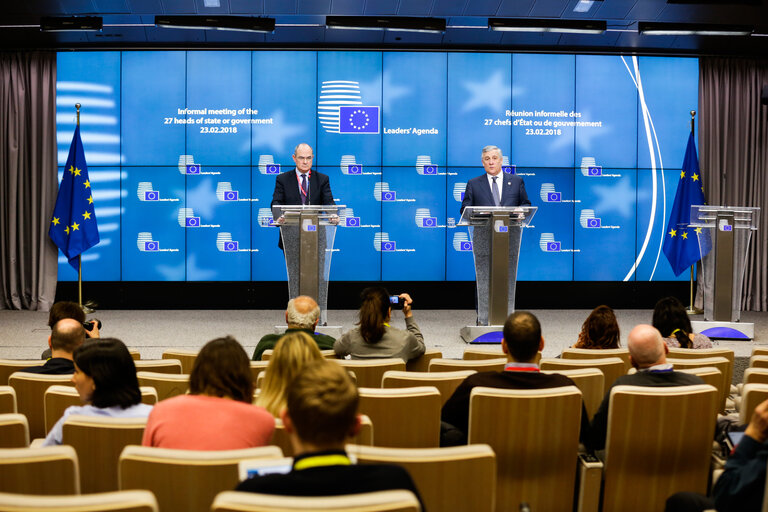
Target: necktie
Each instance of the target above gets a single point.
(495, 190)
(303, 189)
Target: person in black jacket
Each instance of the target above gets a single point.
(67, 334)
(320, 414)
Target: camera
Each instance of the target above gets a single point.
(88, 326)
(396, 302)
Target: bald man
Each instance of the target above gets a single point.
(302, 314)
(648, 354)
(67, 334)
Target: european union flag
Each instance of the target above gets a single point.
(682, 246)
(359, 119)
(73, 226)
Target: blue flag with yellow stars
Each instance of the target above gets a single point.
(73, 225)
(684, 246)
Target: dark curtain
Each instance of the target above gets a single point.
(28, 180)
(733, 153)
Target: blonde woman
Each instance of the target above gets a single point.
(291, 355)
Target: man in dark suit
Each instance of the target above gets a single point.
(302, 185)
(648, 354)
(509, 188)
(494, 188)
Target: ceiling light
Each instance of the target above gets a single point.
(547, 25)
(690, 29)
(397, 23)
(65, 24)
(236, 23)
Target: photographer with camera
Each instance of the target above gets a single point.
(374, 337)
(67, 309)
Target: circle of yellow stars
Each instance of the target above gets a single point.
(684, 233)
(86, 214)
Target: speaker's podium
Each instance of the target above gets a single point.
(307, 233)
(496, 232)
(729, 230)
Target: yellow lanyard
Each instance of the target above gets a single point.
(322, 460)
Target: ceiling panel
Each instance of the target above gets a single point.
(529, 39)
(145, 6)
(333, 35)
(250, 7)
(380, 7)
(606, 40)
(482, 8)
(221, 10)
(347, 7)
(314, 7)
(174, 35)
(415, 8)
(550, 9)
(297, 35)
(449, 7)
(229, 37)
(415, 38)
(616, 10)
(79, 7)
(280, 6)
(515, 8)
(647, 10)
(179, 7)
(112, 6)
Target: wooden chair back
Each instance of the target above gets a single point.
(58, 398)
(471, 354)
(119, 501)
(403, 417)
(591, 353)
(370, 371)
(537, 447)
(327, 354)
(612, 367)
(591, 383)
(9, 366)
(381, 501)
(759, 360)
(262, 376)
(30, 390)
(721, 363)
(709, 374)
(752, 395)
(49, 470)
(7, 400)
(135, 354)
(699, 353)
(445, 382)
(448, 479)
(478, 365)
(282, 439)
(159, 366)
(99, 440)
(186, 480)
(186, 357)
(659, 440)
(756, 376)
(14, 430)
(257, 367)
(421, 363)
(167, 385)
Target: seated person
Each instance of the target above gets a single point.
(671, 319)
(293, 352)
(218, 413)
(600, 330)
(375, 338)
(521, 342)
(105, 379)
(647, 353)
(66, 335)
(320, 414)
(67, 309)
(302, 314)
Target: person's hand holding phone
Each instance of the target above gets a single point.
(406, 304)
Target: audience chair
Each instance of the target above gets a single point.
(30, 389)
(121, 501)
(262, 376)
(58, 398)
(752, 396)
(658, 444)
(445, 382)
(760, 351)
(14, 430)
(759, 360)
(167, 385)
(699, 353)
(185, 480)
(99, 440)
(721, 363)
(382, 501)
(535, 435)
(49, 470)
(403, 417)
(187, 358)
(471, 354)
(612, 367)
(592, 353)
(282, 439)
(159, 366)
(448, 479)
(7, 400)
(590, 382)
(135, 354)
(709, 374)
(327, 354)
(754, 376)
(370, 371)
(453, 365)
(257, 367)
(9, 366)
(421, 363)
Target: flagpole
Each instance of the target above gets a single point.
(85, 309)
(692, 310)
